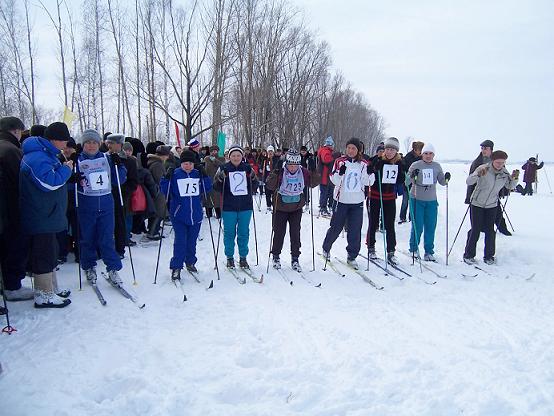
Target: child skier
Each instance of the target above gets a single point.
(185, 208)
(350, 175)
(97, 175)
(289, 198)
(390, 176)
(235, 180)
(423, 176)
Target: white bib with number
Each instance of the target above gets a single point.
(99, 181)
(352, 178)
(237, 183)
(97, 176)
(390, 174)
(189, 186)
(427, 176)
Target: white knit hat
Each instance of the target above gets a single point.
(392, 143)
(270, 148)
(428, 148)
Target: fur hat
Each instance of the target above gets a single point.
(499, 154)
(163, 150)
(187, 156)
(90, 135)
(127, 146)
(392, 143)
(57, 131)
(428, 148)
(116, 138)
(11, 123)
(37, 130)
(293, 157)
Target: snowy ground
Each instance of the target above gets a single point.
(481, 346)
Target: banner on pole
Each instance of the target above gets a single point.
(221, 143)
(177, 134)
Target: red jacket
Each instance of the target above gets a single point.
(325, 158)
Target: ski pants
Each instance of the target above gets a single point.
(184, 245)
(405, 200)
(280, 219)
(389, 216)
(425, 221)
(323, 196)
(528, 189)
(120, 226)
(97, 233)
(14, 249)
(351, 215)
(236, 224)
(482, 220)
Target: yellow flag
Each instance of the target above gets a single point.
(68, 117)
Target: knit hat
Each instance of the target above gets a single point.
(499, 154)
(116, 138)
(214, 147)
(379, 148)
(193, 143)
(151, 148)
(428, 148)
(187, 156)
(236, 148)
(57, 131)
(356, 142)
(11, 123)
(392, 143)
(293, 157)
(488, 143)
(37, 130)
(270, 148)
(532, 159)
(127, 146)
(329, 141)
(163, 150)
(90, 135)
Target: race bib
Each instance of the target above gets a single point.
(352, 178)
(99, 180)
(427, 176)
(189, 186)
(390, 174)
(237, 183)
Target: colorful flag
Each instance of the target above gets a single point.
(68, 117)
(221, 143)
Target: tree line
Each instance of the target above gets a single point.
(249, 68)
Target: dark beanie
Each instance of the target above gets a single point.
(499, 154)
(187, 156)
(106, 135)
(303, 148)
(488, 143)
(11, 123)
(163, 150)
(151, 148)
(57, 131)
(71, 143)
(356, 142)
(37, 130)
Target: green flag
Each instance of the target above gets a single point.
(221, 142)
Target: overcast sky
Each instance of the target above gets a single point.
(449, 72)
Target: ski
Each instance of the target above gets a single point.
(331, 265)
(387, 271)
(469, 276)
(194, 275)
(250, 274)
(181, 286)
(307, 279)
(126, 293)
(99, 294)
(427, 267)
(236, 275)
(285, 278)
(361, 274)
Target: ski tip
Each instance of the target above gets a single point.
(291, 283)
(261, 279)
(319, 285)
(185, 298)
(142, 306)
(211, 285)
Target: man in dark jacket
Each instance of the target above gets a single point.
(530, 176)
(13, 244)
(487, 147)
(413, 156)
(43, 205)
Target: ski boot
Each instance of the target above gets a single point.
(230, 263)
(192, 268)
(352, 263)
(490, 261)
(429, 257)
(295, 264)
(175, 275)
(91, 276)
(327, 255)
(243, 264)
(114, 279)
(392, 259)
(276, 262)
(470, 260)
(371, 252)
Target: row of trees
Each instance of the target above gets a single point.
(250, 68)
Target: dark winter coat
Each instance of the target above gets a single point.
(10, 160)
(187, 209)
(479, 160)
(308, 161)
(43, 193)
(270, 164)
(130, 184)
(409, 159)
(150, 189)
(388, 190)
(531, 168)
(211, 165)
(273, 184)
(156, 168)
(230, 201)
(3, 205)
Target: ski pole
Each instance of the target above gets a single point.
(271, 237)
(447, 223)
(8, 329)
(220, 220)
(312, 219)
(413, 207)
(506, 214)
(254, 221)
(210, 225)
(459, 229)
(382, 224)
(124, 224)
(78, 241)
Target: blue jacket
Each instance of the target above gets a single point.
(187, 209)
(232, 202)
(104, 202)
(42, 190)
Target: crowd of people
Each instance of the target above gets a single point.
(90, 195)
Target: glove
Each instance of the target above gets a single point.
(515, 174)
(169, 173)
(76, 177)
(415, 174)
(483, 171)
(116, 159)
(342, 170)
(447, 176)
(369, 170)
(220, 175)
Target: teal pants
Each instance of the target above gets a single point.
(236, 224)
(424, 220)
